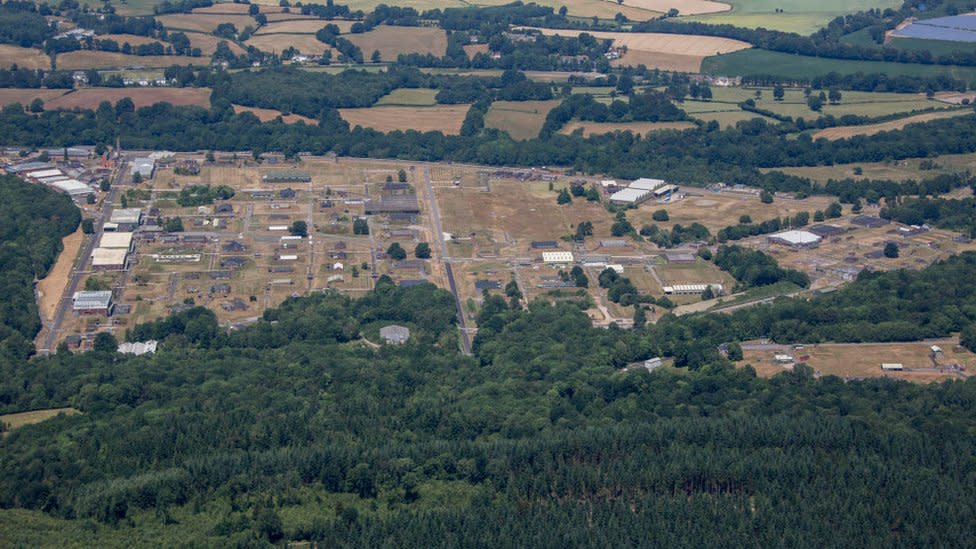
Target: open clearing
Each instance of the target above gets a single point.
(864, 359)
(266, 115)
(25, 95)
(521, 119)
(843, 132)
(25, 58)
(678, 52)
(276, 43)
(208, 43)
(392, 41)
(204, 23)
(51, 287)
(409, 97)
(798, 16)
(638, 128)
(303, 26)
(113, 60)
(446, 118)
(20, 419)
(89, 98)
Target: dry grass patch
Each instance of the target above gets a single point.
(51, 287)
(266, 115)
(132, 39)
(392, 41)
(474, 49)
(843, 132)
(112, 60)
(208, 44)
(25, 58)
(521, 119)
(303, 26)
(719, 210)
(204, 23)
(684, 7)
(225, 8)
(24, 96)
(640, 128)
(446, 118)
(305, 43)
(20, 419)
(604, 9)
(678, 52)
(89, 98)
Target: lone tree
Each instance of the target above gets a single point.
(299, 228)
(402, 176)
(422, 251)
(778, 93)
(660, 215)
(105, 343)
(563, 197)
(360, 226)
(891, 250)
(766, 197)
(396, 251)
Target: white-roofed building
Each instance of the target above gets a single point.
(630, 196)
(126, 216)
(72, 187)
(109, 259)
(557, 258)
(647, 184)
(143, 166)
(116, 240)
(41, 174)
(53, 178)
(692, 289)
(138, 348)
(665, 190)
(92, 303)
(795, 239)
(395, 334)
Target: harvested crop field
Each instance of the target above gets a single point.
(20, 419)
(226, 8)
(208, 44)
(112, 60)
(204, 23)
(677, 52)
(132, 39)
(266, 115)
(641, 128)
(302, 26)
(843, 132)
(305, 43)
(409, 97)
(51, 287)
(684, 7)
(25, 95)
(89, 98)
(521, 119)
(474, 49)
(446, 118)
(25, 58)
(392, 41)
(604, 9)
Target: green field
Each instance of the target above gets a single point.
(798, 16)
(409, 97)
(785, 65)
(521, 119)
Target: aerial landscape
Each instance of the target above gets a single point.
(449, 273)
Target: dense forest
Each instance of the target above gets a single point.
(291, 429)
(33, 220)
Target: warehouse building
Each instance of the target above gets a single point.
(631, 196)
(692, 289)
(795, 239)
(116, 240)
(143, 166)
(557, 258)
(287, 176)
(109, 259)
(92, 303)
(126, 216)
(71, 187)
(647, 184)
(406, 203)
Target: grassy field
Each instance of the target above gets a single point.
(409, 97)
(305, 43)
(208, 43)
(638, 128)
(25, 58)
(521, 119)
(675, 52)
(25, 95)
(445, 118)
(392, 41)
(15, 421)
(265, 115)
(89, 98)
(303, 26)
(84, 59)
(719, 210)
(785, 65)
(204, 23)
(899, 170)
(798, 16)
(50, 288)
(843, 132)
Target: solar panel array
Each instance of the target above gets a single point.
(957, 28)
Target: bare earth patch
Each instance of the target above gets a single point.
(843, 132)
(446, 119)
(89, 98)
(266, 115)
(51, 287)
(641, 128)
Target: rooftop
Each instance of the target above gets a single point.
(647, 184)
(92, 300)
(395, 333)
(797, 237)
(109, 257)
(138, 348)
(116, 240)
(126, 215)
(629, 195)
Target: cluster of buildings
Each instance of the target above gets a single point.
(641, 190)
(47, 174)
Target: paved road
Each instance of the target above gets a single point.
(435, 215)
(53, 330)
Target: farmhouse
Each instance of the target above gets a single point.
(144, 166)
(679, 257)
(557, 258)
(109, 259)
(692, 289)
(287, 176)
(795, 239)
(395, 334)
(92, 303)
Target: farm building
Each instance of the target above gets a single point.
(395, 187)
(795, 239)
(630, 196)
(43, 174)
(892, 367)
(783, 358)
(138, 348)
(223, 289)
(482, 285)
(692, 289)
(278, 227)
(869, 221)
(236, 304)
(126, 216)
(233, 262)
(544, 244)
(143, 166)
(679, 257)
(109, 259)
(28, 167)
(395, 334)
(826, 231)
(224, 209)
(665, 190)
(287, 176)
(406, 203)
(653, 363)
(608, 184)
(92, 303)
(594, 260)
(557, 258)
(121, 241)
(647, 184)
(614, 243)
(287, 257)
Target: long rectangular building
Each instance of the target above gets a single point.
(109, 259)
(92, 303)
(116, 240)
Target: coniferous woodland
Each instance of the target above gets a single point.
(293, 429)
